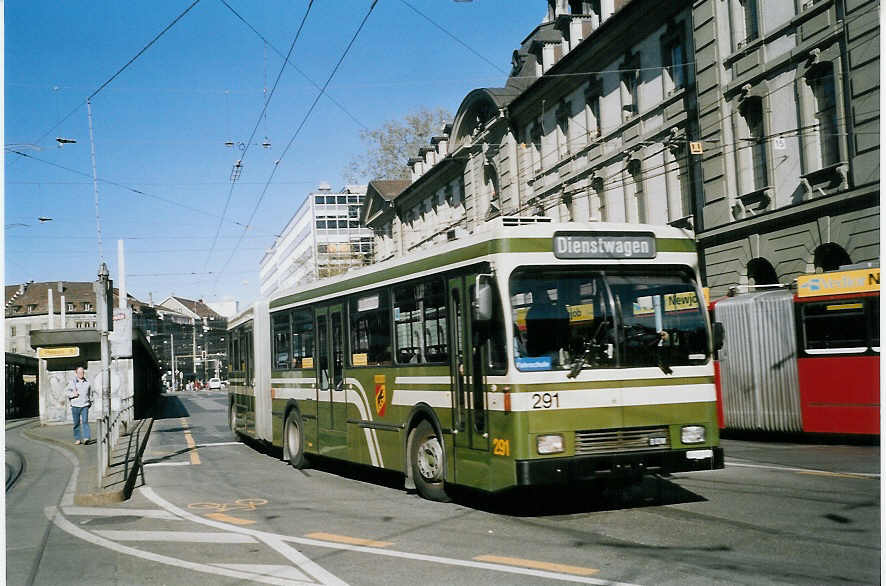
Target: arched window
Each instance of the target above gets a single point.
(761, 272)
(830, 257)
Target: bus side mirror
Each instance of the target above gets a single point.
(718, 335)
(483, 301)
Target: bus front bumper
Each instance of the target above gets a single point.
(633, 464)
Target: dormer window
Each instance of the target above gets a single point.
(70, 306)
(87, 306)
(32, 307)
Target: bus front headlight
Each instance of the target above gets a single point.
(549, 444)
(692, 434)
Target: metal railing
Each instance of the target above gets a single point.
(109, 433)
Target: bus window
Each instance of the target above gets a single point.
(420, 334)
(338, 352)
(322, 352)
(834, 326)
(875, 323)
(281, 333)
(370, 329)
(302, 338)
(565, 316)
(491, 337)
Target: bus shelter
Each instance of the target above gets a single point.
(135, 370)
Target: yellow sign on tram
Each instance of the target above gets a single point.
(839, 283)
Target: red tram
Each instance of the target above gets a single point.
(806, 360)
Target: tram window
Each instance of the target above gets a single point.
(835, 325)
(370, 329)
(420, 323)
(875, 323)
(235, 350)
(281, 334)
(302, 339)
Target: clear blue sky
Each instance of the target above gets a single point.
(160, 126)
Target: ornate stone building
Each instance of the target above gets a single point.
(754, 123)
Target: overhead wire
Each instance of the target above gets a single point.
(127, 188)
(117, 73)
(452, 36)
(255, 129)
(298, 131)
(294, 66)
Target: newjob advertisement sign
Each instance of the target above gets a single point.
(604, 245)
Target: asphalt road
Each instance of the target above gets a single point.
(218, 511)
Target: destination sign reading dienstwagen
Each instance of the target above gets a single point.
(577, 245)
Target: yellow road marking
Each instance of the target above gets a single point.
(192, 445)
(348, 540)
(834, 474)
(536, 565)
(229, 519)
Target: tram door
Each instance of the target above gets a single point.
(331, 394)
(468, 388)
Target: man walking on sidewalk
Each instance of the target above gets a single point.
(80, 394)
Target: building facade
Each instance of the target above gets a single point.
(593, 124)
(323, 238)
(754, 123)
(789, 96)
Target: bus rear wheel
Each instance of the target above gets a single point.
(295, 441)
(426, 461)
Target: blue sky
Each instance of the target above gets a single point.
(161, 125)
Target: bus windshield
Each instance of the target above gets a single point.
(574, 318)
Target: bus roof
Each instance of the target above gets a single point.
(501, 235)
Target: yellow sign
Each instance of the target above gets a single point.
(359, 359)
(583, 312)
(59, 352)
(643, 306)
(381, 395)
(307, 362)
(839, 283)
(695, 148)
(681, 301)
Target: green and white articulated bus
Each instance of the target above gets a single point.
(528, 353)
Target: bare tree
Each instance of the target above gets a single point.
(390, 146)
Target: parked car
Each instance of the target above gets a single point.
(215, 384)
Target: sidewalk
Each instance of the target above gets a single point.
(122, 474)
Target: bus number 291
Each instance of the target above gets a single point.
(545, 400)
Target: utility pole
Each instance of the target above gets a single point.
(194, 347)
(103, 308)
(172, 349)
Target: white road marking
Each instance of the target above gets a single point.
(285, 572)
(53, 514)
(179, 536)
(146, 464)
(213, 444)
(274, 541)
(802, 470)
(270, 538)
(104, 512)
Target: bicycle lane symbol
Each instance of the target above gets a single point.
(219, 510)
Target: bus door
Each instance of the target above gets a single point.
(331, 395)
(468, 377)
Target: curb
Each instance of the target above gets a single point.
(109, 496)
(14, 466)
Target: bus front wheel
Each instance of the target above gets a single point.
(295, 441)
(426, 460)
